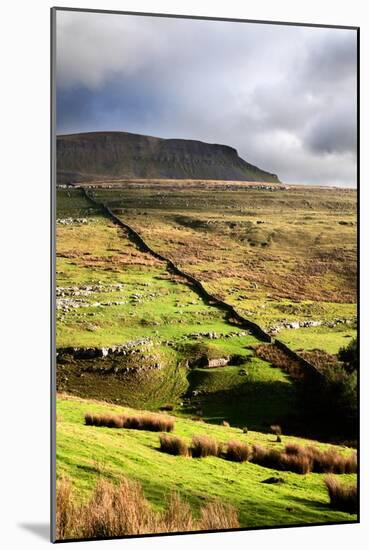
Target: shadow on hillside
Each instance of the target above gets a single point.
(256, 405)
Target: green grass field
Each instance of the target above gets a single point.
(277, 256)
(329, 340)
(154, 304)
(87, 453)
(149, 302)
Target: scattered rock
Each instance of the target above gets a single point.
(131, 347)
(71, 221)
(220, 362)
(273, 479)
(274, 329)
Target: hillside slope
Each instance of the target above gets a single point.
(86, 454)
(102, 155)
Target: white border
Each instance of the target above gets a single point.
(25, 232)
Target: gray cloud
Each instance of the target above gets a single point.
(283, 96)
(335, 133)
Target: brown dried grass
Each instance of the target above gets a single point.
(118, 510)
(342, 497)
(203, 446)
(237, 451)
(278, 358)
(332, 462)
(303, 460)
(148, 422)
(216, 515)
(65, 509)
(299, 464)
(263, 456)
(173, 445)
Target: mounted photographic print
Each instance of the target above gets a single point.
(204, 204)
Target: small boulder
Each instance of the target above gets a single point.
(273, 480)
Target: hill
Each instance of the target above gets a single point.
(102, 155)
(86, 454)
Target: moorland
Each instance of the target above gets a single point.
(136, 335)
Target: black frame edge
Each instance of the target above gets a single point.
(206, 18)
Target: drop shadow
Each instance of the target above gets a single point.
(41, 530)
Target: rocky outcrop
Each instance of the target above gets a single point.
(136, 348)
(71, 221)
(218, 362)
(73, 297)
(121, 155)
(215, 335)
(128, 348)
(308, 323)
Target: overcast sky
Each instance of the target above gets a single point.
(283, 96)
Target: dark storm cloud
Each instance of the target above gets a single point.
(336, 133)
(116, 106)
(331, 60)
(283, 96)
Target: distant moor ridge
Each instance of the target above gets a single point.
(121, 155)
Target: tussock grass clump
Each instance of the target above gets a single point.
(133, 423)
(152, 423)
(276, 429)
(298, 463)
(167, 407)
(65, 509)
(293, 449)
(203, 446)
(104, 420)
(332, 462)
(342, 497)
(90, 419)
(117, 510)
(351, 464)
(238, 451)
(269, 458)
(216, 515)
(173, 445)
(303, 460)
(177, 516)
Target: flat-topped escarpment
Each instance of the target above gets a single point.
(122, 155)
